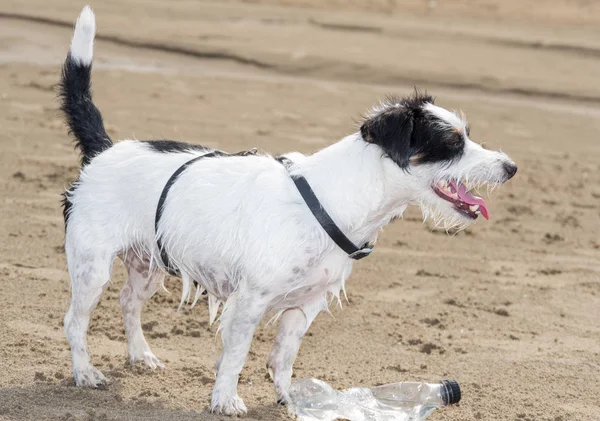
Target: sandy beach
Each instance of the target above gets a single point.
(510, 307)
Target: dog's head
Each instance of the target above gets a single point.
(432, 160)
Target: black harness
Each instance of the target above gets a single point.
(303, 187)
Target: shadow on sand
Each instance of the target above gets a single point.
(65, 402)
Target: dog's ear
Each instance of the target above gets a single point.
(392, 131)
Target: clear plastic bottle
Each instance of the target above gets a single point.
(313, 399)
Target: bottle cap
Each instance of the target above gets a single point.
(450, 392)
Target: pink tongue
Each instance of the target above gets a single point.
(469, 199)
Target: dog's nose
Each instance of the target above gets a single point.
(510, 168)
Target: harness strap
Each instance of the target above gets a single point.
(330, 227)
(161, 203)
(163, 197)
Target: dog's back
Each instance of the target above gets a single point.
(113, 203)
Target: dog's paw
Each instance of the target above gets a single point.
(89, 376)
(152, 362)
(282, 382)
(149, 359)
(229, 406)
(283, 399)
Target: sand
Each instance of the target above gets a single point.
(510, 308)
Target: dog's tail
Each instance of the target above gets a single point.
(83, 118)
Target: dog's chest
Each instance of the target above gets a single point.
(306, 284)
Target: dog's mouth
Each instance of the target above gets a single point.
(465, 202)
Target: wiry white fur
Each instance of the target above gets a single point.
(213, 307)
(82, 44)
(453, 119)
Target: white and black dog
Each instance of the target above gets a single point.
(248, 228)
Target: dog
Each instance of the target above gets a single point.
(258, 233)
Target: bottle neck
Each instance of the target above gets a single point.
(411, 393)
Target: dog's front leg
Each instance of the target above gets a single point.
(292, 327)
(239, 320)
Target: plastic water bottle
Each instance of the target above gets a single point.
(313, 399)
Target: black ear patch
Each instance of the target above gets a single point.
(410, 135)
(392, 130)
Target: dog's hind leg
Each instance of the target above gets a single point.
(89, 270)
(293, 325)
(141, 285)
